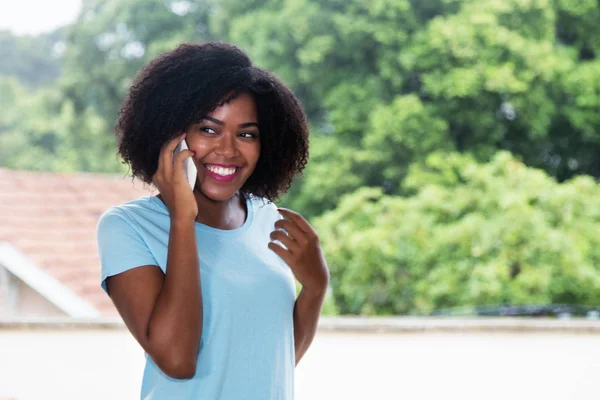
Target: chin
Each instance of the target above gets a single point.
(217, 194)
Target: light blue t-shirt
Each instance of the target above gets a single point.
(248, 292)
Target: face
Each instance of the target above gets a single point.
(227, 147)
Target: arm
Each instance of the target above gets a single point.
(164, 311)
(306, 317)
(305, 258)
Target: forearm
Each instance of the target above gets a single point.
(176, 323)
(306, 317)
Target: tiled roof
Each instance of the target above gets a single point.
(51, 218)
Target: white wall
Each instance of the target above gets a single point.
(19, 299)
(106, 363)
(31, 304)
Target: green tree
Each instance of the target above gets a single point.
(69, 125)
(33, 60)
(384, 82)
(518, 75)
(470, 234)
(41, 131)
(111, 41)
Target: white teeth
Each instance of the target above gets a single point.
(221, 171)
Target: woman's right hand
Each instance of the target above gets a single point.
(171, 182)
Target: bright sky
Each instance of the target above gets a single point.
(36, 16)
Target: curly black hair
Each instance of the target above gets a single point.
(178, 88)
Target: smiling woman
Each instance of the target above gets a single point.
(226, 145)
(204, 278)
(179, 92)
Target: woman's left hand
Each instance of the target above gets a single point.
(303, 254)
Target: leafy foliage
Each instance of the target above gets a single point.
(33, 60)
(419, 113)
(471, 234)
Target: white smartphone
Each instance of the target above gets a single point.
(190, 170)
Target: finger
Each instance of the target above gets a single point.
(298, 220)
(174, 141)
(287, 241)
(296, 233)
(165, 158)
(281, 252)
(178, 162)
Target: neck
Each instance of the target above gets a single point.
(225, 215)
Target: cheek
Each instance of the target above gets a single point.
(251, 153)
(200, 147)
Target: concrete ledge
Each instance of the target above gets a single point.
(375, 325)
(62, 323)
(457, 324)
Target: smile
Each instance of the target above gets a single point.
(222, 173)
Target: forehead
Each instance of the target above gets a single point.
(240, 107)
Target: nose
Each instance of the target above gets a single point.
(226, 146)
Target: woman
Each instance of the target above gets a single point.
(204, 278)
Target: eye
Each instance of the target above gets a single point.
(248, 135)
(207, 129)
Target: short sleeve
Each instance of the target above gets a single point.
(120, 246)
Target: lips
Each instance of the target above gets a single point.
(222, 178)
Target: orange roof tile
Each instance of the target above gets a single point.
(51, 218)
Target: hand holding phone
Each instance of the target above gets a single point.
(189, 168)
(167, 179)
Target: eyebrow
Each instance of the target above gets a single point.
(218, 122)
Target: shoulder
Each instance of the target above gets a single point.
(127, 212)
(263, 206)
(265, 211)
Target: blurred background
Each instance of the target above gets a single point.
(453, 179)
